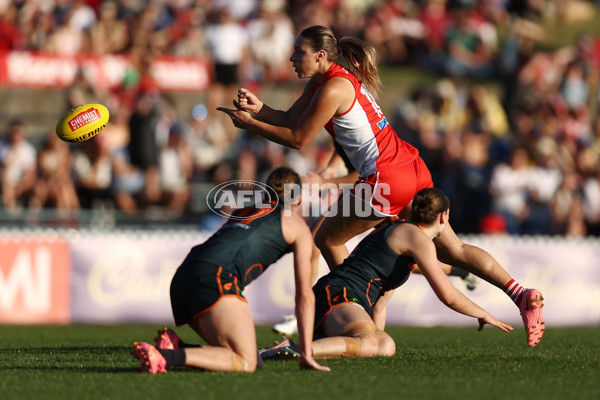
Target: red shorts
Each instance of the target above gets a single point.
(390, 190)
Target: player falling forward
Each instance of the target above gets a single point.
(206, 291)
(390, 169)
(328, 178)
(351, 299)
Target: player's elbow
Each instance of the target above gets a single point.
(298, 141)
(448, 299)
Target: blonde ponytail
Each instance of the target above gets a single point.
(361, 57)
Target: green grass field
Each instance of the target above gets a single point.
(93, 362)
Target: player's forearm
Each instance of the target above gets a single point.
(274, 117)
(278, 134)
(461, 304)
(379, 310)
(305, 314)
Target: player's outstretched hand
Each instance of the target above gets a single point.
(241, 119)
(248, 101)
(311, 363)
(494, 322)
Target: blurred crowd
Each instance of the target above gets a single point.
(509, 130)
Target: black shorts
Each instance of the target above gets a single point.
(197, 287)
(226, 74)
(331, 292)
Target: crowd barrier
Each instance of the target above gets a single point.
(123, 276)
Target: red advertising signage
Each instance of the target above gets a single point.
(35, 281)
(38, 70)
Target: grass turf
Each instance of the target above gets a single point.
(93, 362)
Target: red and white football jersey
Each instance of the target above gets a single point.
(363, 131)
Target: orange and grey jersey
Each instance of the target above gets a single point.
(373, 261)
(245, 245)
(371, 269)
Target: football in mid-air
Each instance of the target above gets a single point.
(82, 122)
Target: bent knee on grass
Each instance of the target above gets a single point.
(368, 346)
(371, 346)
(240, 364)
(386, 345)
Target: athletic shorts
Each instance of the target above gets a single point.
(197, 287)
(390, 190)
(330, 293)
(226, 74)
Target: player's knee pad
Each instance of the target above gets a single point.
(353, 347)
(360, 340)
(240, 365)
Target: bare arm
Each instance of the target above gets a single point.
(379, 310)
(296, 233)
(410, 240)
(324, 104)
(329, 173)
(248, 101)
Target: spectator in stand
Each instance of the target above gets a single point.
(307, 13)
(83, 91)
(271, 37)
(574, 87)
(591, 203)
(348, 18)
(54, 185)
(36, 24)
(18, 160)
(546, 177)
(467, 53)
(509, 188)
(82, 16)
(247, 166)
(110, 34)
(591, 186)
(515, 53)
(192, 41)
(68, 38)
(383, 31)
(566, 207)
(176, 164)
(11, 37)
(436, 21)
(228, 43)
(143, 146)
(240, 10)
(207, 139)
(128, 181)
(483, 109)
(92, 170)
